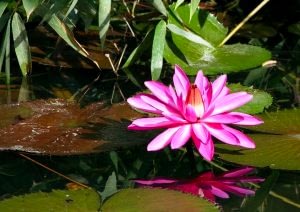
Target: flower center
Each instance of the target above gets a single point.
(194, 98)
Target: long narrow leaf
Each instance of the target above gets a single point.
(4, 20)
(30, 6)
(193, 7)
(21, 44)
(3, 43)
(103, 19)
(3, 5)
(159, 5)
(65, 33)
(158, 49)
(189, 35)
(7, 54)
(137, 52)
(72, 6)
(178, 3)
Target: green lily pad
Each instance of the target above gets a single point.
(58, 200)
(150, 199)
(277, 144)
(261, 99)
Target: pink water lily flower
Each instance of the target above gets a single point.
(198, 111)
(208, 185)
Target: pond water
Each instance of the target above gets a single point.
(118, 157)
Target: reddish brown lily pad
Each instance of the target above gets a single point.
(59, 127)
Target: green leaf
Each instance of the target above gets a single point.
(110, 186)
(137, 52)
(158, 50)
(261, 99)
(7, 55)
(159, 5)
(156, 200)
(21, 44)
(65, 33)
(3, 5)
(72, 6)
(229, 58)
(193, 7)
(57, 200)
(5, 40)
(30, 6)
(279, 148)
(178, 3)
(252, 203)
(274, 151)
(202, 23)
(103, 19)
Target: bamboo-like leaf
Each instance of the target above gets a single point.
(3, 5)
(103, 19)
(193, 7)
(159, 5)
(72, 6)
(21, 44)
(3, 43)
(65, 33)
(7, 54)
(158, 49)
(30, 6)
(137, 52)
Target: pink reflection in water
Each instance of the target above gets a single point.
(208, 185)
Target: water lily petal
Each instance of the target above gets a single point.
(230, 102)
(181, 82)
(201, 81)
(154, 102)
(238, 172)
(219, 193)
(218, 85)
(247, 119)
(201, 133)
(236, 190)
(243, 140)
(156, 181)
(207, 149)
(218, 131)
(159, 90)
(162, 140)
(224, 118)
(190, 113)
(151, 123)
(138, 103)
(182, 136)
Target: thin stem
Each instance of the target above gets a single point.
(256, 9)
(191, 156)
(55, 172)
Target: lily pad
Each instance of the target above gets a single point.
(58, 200)
(261, 99)
(277, 144)
(146, 199)
(58, 127)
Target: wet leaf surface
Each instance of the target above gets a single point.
(156, 200)
(277, 144)
(58, 127)
(58, 200)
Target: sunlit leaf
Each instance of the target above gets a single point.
(103, 19)
(30, 6)
(202, 23)
(3, 5)
(261, 99)
(159, 5)
(21, 44)
(142, 199)
(158, 50)
(72, 6)
(65, 33)
(193, 7)
(57, 200)
(178, 3)
(58, 127)
(279, 148)
(7, 54)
